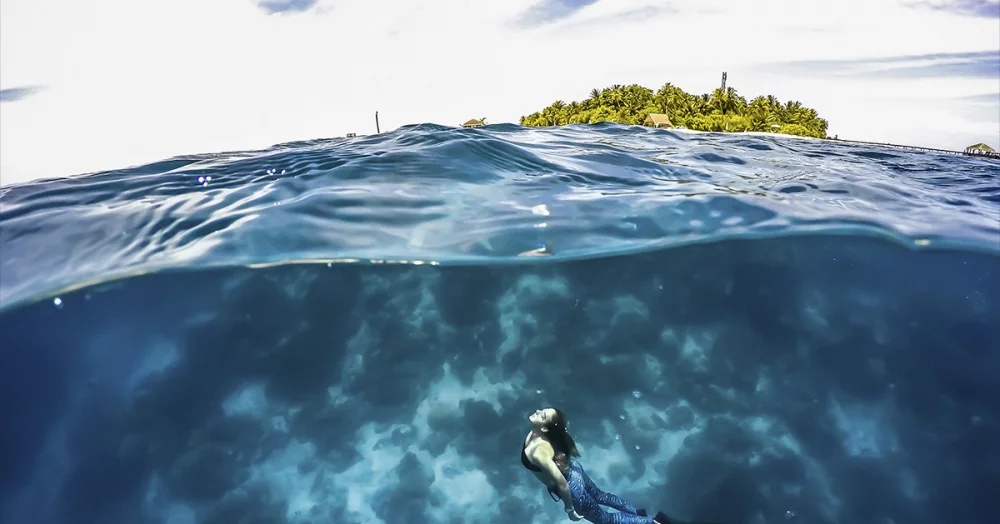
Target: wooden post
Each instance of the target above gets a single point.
(377, 131)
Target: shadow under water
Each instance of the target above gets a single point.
(801, 379)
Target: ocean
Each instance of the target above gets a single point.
(741, 328)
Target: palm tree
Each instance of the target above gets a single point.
(595, 96)
(615, 97)
(717, 102)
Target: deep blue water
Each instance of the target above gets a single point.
(741, 328)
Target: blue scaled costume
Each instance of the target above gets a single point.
(588, 498)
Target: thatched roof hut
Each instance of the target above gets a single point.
(475, 123)
(657, 120)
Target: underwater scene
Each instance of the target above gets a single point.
(739, 328)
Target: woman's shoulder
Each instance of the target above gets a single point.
(535, 442)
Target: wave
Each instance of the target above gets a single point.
(441, 195)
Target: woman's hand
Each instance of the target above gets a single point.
(572, 514)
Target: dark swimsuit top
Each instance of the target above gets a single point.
(560, 459)
(524, 458)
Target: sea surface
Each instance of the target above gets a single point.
(740, 328)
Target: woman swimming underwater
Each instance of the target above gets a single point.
(550, 452)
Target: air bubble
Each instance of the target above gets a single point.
(58, 302)
(636, 393)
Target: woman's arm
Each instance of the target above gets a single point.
(559, 484)
(542, 455)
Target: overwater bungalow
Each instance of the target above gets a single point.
(981, 149)
(475, 123)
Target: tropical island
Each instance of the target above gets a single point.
(722, 110)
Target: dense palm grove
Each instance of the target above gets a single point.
(723, 110)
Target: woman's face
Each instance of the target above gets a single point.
(542, 417)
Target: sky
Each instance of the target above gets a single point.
(109, 84)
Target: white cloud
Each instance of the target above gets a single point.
(132, 82)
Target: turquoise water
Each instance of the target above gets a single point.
(741, 328)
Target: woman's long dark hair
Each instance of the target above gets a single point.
(560, 439)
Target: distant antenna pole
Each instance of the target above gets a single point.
(723, 80)
(376, 123)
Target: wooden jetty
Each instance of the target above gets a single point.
(969, 151)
